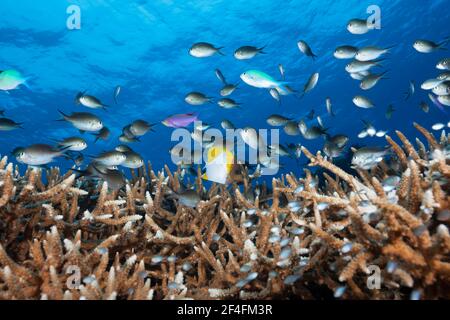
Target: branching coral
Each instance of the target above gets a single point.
(71, 239)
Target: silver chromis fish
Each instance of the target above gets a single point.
(83, 121)
(306, 49)
(139, 128)
(363, 102)
(369, 128)
(445, 100)
(132, 160)
(280, 150)
(197, 98)
(204, 49)
(123, 148)
(189, 198)
(442, 89)
(113, 177)
(110, 158)
(311, 83)
(201, 126)
(368, 157)
(37, 154)
(276, 120)
(313, 132)
(72, 144)
(339, 140)
(248, 52)
(89, 101)
(371, 53)
(103, 134)
(371, 80)
(332, 150)
(8, 124)
(360, 66)
(220, 76)
(291, 128)
(427, 46)
(251, 137)
(227, 103)
(228, 89)
(329, 107)
(275, 94)
(431, 83)
(358, 26)
(127, 139)
(390, 183)
(227, 125)
(359, 75)
(345, 52)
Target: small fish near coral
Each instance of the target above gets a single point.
(119, 162)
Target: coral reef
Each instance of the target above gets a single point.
(296, 239)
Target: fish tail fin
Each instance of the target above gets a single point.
(78, 96)
(63, 115)
(219, 51)
(390, 47)
(300, 95)
(261, 50)
(407, 95)
(26, 83)
(51, 139)
(443, 43)
(96, 137)
(379, 61)
(65, 148)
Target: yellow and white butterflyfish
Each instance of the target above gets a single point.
(218, 166)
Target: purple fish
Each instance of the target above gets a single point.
(180, 120)
(437, 103)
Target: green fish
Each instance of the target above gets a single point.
(259, 79)
(11, 79)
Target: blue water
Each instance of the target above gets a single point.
(143, 47)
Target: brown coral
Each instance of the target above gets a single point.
(59, 241)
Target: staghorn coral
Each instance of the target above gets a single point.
(294, 239)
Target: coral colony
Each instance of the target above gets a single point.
(327, 234)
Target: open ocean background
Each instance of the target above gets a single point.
(143, 47)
